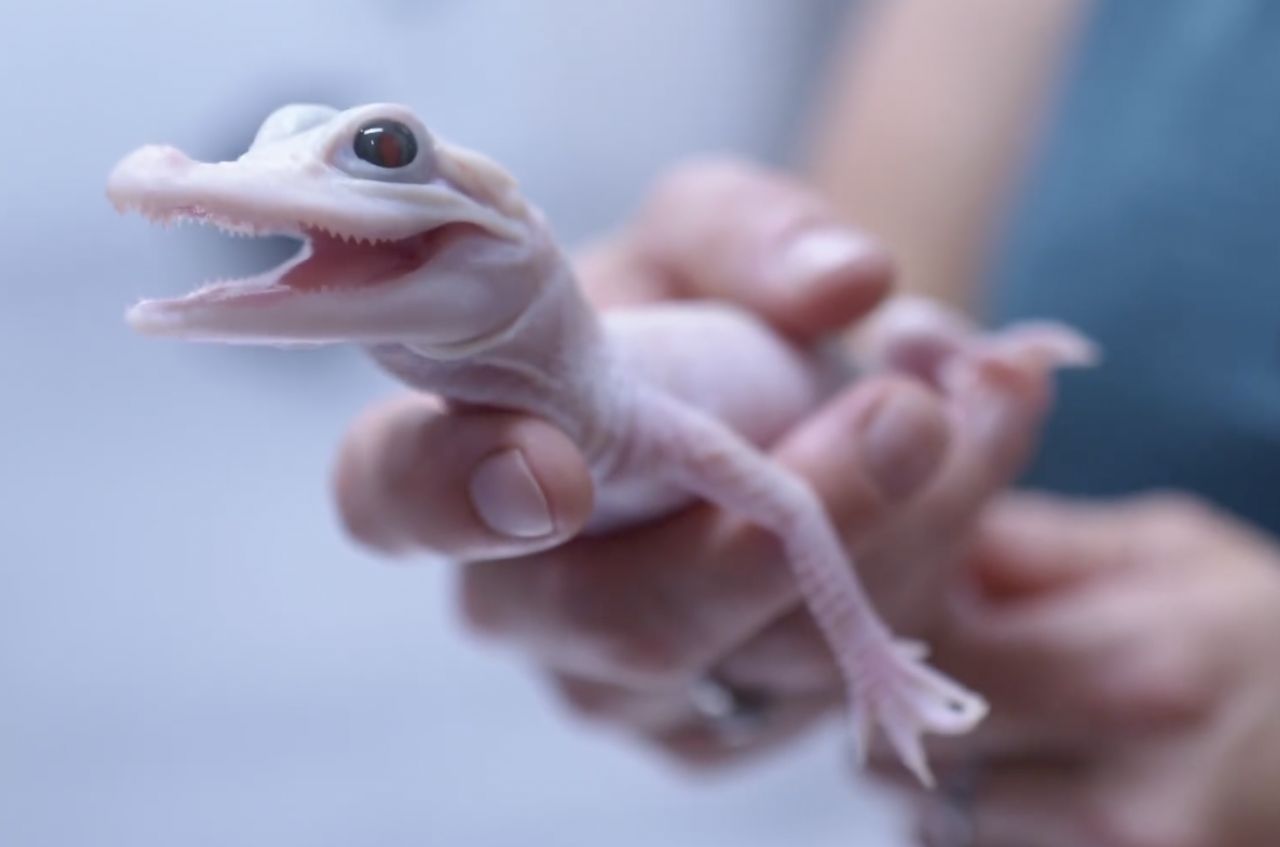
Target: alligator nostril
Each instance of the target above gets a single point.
(157, 155)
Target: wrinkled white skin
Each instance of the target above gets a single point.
(465, 294)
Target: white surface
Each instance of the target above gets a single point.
(190, 653)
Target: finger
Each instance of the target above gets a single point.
(613, 276)
(1039, 665)
(1004, 740)
(1058, 670)
(995, 417)
(672, 599)
(413, 474)
(1091, 667)
(1110, 801)
(729, 230)
(1030, 806)
(997, 410)
(1050, 343)
(1001, 390)
(666, 714)
(638, 711)
(1000, 403)
(788, 658)
(1036, 543)
(788, 661)
(919, 336)
(1032, 544)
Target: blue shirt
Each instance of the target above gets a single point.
(1151, 220)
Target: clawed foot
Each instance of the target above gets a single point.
(919, 336)
(897, 691)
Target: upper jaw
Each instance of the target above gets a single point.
(359, 233)
(165, 186)
(349, 241)
(273, 196)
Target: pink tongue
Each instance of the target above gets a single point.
(335, 264)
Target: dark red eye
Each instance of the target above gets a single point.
(386, 143)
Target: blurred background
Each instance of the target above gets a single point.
(191, 653)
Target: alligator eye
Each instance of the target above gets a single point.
(386, 143)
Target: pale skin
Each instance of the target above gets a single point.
(427, 255)
(404, 483)
(1184, 753)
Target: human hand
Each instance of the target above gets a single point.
(1128, 650)
(622, 624)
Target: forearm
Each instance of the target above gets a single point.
(927, 115)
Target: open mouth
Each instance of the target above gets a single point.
(327, 262)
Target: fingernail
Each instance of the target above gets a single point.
(816, 253)
(508, 498)
(899, 443)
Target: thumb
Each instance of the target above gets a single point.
(1031, 544)
(413, 474)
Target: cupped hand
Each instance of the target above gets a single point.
(1128, 649)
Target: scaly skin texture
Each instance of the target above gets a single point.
(439, 268)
